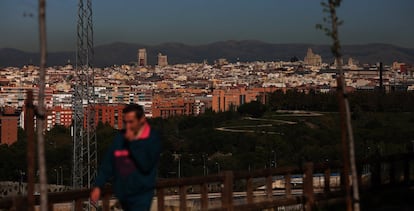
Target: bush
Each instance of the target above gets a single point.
(254, 109)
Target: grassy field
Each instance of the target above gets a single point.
(267, 139)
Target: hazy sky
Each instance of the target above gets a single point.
(205, 21)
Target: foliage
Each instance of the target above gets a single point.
(331, 25)
(377, 131)
(254, 109)
(359, 101)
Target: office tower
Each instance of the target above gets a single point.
(162, 60)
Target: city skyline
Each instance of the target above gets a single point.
(200, 22)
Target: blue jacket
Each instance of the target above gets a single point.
(133, 167)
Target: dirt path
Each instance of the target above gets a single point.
(284, 113)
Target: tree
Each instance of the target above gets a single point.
(41, 107)
(347, 130)
(254, 109)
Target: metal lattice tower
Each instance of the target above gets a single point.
(84, 134)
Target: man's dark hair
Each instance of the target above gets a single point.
(138, 109)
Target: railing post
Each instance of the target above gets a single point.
(183, 198)
(360, 168)
(249, 193)
(78, 205)
(204, 196)
(407, 169)
(288, 186)
(327, 180)
(269, 184)
(376, 173)
(308, 186)
(105, 202)
(342, 180)
(392, 170)
(18, 204)
(160, 199)
(227, 194)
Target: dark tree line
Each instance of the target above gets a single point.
(327, 102)
(194, 142)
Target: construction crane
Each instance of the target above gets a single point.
(83, 129)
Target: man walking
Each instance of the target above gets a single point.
(131, 162)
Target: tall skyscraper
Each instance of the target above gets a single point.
(142, 57)
(162, 60)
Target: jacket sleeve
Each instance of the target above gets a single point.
(146, 152)
(105, 171)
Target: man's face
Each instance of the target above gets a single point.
(132, 123)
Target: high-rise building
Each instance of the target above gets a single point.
(162, 60)
(142, 57)
(312, 58)
(9, 119)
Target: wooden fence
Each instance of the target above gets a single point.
(380, 171)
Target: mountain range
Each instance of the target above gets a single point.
(246, 50)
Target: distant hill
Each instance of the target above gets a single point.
(247, 50)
